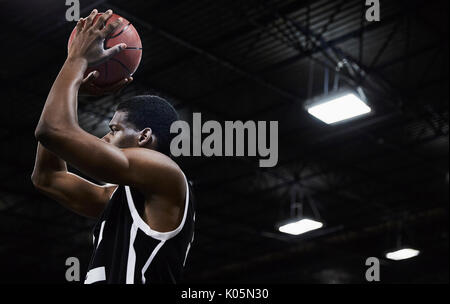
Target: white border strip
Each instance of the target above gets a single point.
(187, 251)
(150, 259)
(101, 233)
(139, 222)
(131, 264)
(114, 191)
(95, 275)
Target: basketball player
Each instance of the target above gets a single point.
(145, 211)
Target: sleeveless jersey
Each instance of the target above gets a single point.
(127, 250)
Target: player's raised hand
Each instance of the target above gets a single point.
(88, 42)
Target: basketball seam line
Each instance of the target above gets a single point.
(123, 65)
(120, 33)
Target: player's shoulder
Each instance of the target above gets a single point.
(149, 156)
(155, 163)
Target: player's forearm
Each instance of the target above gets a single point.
(60, 109)
(45, 163)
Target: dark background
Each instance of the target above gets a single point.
(374, 181)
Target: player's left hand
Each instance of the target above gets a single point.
(88, 42)
(88, 87)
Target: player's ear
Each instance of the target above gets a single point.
(146, 137)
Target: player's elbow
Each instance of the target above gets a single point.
(45, 134)
(37, 180)
(42, 132)
(41, 182)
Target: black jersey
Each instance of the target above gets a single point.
(127, 250)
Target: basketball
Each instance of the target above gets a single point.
(123, 64)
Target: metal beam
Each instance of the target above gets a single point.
(210, 56)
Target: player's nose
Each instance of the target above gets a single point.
(105, 138)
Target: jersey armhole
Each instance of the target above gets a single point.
(142, 225)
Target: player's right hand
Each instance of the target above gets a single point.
(88, 42)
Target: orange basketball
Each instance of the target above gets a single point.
(123, 64)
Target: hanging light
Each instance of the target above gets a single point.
(402, 254)
(337, 107)
(300, 226)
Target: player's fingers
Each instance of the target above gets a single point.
(112, 89)
(119, 85)
(110, 28)
(116, 86)
(90, 19)
(115, 49)
(91, 77)
(127, 82)
(80, 25)
(101, 21)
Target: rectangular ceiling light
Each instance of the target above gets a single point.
(339, 108)
(300, 226)
(402, 254)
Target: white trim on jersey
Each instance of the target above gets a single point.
(139, 222)
(131, 255)
(187, 251)
(114, 191)
(95, 275)
(100, 235)
(150, 259)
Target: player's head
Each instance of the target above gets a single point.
(142, 121)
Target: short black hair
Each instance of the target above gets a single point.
(154, 112)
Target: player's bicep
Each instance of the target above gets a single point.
(89, 154)
(137, 167)
(76, 193)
